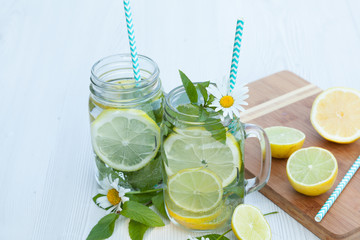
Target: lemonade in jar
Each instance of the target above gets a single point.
(203, 157)
(124, 120)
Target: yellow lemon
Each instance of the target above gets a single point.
(312, 171)
(284, 140)
(248, 223)
(335, 114)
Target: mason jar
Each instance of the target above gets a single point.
(125, 116)
(203, 164)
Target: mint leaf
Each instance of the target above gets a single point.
(137, 230)
(216, 129)
(141, 197)
(213, 237)
(189, 109)
(189, 88)
(147, 177)
(104, 228)
(203, 115)
(202, 88)
(140, 213)
(158, 202)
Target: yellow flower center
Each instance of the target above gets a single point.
(113, 196)
(226, 101)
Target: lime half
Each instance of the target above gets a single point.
(125, 139)
(312, 171)
(195, 147)
(195, 190)
(284, 140)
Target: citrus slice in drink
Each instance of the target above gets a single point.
(195, 190)
(312, 171)
(195, 147)
(248, 223)
(284, 140)
(125, 139)
(335, 114)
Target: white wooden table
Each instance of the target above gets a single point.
(48, 47)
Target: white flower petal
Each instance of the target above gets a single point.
(103, 202)
(124, 199)
(214, 91)
(103, 191)
(111, 209)
(236, 112)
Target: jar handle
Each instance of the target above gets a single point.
(256, 183)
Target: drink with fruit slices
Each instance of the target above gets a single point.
(203, 164)
(124, 119)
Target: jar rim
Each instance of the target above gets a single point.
(124, 57)
(181, 90)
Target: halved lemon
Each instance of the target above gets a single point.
(284, 140)
(125, 139)
(248, 223)
(335, 114)
(195, 147)
(312, 171)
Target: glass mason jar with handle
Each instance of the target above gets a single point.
(125, 116)
(203, 164)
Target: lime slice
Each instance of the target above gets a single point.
(249, 223)
(195, 190)
(284, 140)
(312, 171)
(125, 139)
(195, 147)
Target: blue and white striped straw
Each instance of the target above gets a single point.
(340, 187)
(236, 53)
(132, 42)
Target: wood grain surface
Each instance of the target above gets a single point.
(343, 219)
(47, 48)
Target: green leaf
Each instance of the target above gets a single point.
(216, 129)
(137, 230)
(213, 237)
(104, 228)
(158, 202)
(203, 115)
(147, 177)
(142, 197)
(202, 88)
(211, 99)
(140, 213)
(189, 88)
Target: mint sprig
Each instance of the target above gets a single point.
(137, 210)
(104, 228)
(213, 125)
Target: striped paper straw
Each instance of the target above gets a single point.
(338, 190)
(236, 53)
(132, 42)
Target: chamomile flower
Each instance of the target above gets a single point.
(114, 195)
(230, 103)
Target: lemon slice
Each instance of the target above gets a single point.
(312, 171)
(190, 219)
(195, 190)
(195, 147)
(248, 223)
(125, 139)
(335, 114)
(284, 140)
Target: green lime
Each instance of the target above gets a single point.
(125, 139)
(194, 147)
(195, 190)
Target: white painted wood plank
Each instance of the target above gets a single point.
(48, 47)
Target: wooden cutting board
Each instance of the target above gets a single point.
(285, 99)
